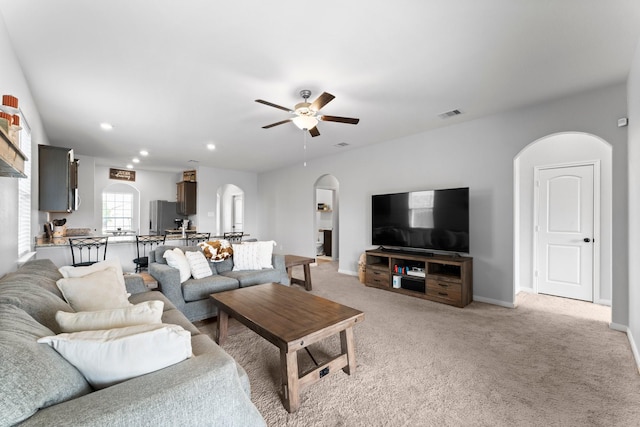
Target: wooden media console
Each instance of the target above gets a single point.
(442, 278)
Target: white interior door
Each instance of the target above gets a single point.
(238, 212)
(565, 232)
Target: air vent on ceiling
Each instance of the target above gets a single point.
(341, 145)
(449, 114)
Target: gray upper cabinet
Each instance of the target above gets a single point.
(58, 179)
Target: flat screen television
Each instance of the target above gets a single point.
(422, 220)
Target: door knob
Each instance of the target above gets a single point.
(587, 240)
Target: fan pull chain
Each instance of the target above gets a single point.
(305, 148)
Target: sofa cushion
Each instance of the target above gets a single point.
(223, 266)
(144, 313)
(100, 290)
(197, 289)
(108, 357)
(38, 302)
(32, 375)
(254, 277)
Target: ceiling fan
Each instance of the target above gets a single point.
(306, 113)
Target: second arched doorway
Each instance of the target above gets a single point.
(326, 224)
(230, 207)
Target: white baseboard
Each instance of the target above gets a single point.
(632, 343)
(494, 302)
(601, 301)
(348, 272)
(618, 327)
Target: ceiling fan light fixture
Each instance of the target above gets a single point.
(305, 122)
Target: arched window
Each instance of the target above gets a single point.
(120, 209)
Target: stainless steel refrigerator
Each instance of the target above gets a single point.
(162, 214)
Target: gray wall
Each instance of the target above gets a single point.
(479, 154)
(634, 204)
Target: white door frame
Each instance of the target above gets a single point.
(596, 221)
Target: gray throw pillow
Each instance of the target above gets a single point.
(32, 375)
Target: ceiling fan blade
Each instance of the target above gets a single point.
(270, 104)
(314, 131)
(321, 101)
(276, 124)
(348, 120)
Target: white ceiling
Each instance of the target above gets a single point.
(172, 76)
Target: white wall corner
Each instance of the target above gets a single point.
(632, 343)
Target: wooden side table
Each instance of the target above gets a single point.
(149, 281)
(291, 261)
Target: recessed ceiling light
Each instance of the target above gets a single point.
(106, 126)
(211, 146)
(130, 166)
(135, 160)
(144, 153)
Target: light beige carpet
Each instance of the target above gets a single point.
(548, 362)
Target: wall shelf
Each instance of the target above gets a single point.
(12, 159)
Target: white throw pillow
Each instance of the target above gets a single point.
(111, 356)
(71, 271)
(148, 312)
(253, 255)
(176, 259)
(264, 252)
(246, 257)
(96, 291)
(198, 264)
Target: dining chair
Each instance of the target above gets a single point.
(193, 239)
(86, 250)
(145, 244)
(233, 236)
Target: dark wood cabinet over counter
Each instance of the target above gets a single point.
(187, 194)
(443, 278)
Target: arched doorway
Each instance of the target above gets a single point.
(326, 209)
(562, 150)
(230, 209)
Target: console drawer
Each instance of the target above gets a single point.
(447, 291)
(378, 278)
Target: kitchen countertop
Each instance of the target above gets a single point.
(42, 241)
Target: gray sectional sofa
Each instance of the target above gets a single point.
(38, 387)
(192, 296)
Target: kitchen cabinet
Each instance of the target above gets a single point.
(187, 198)
(57, 179)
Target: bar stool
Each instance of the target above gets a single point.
(145, 244)
(87, 250)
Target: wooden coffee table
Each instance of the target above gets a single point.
(291, 320)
